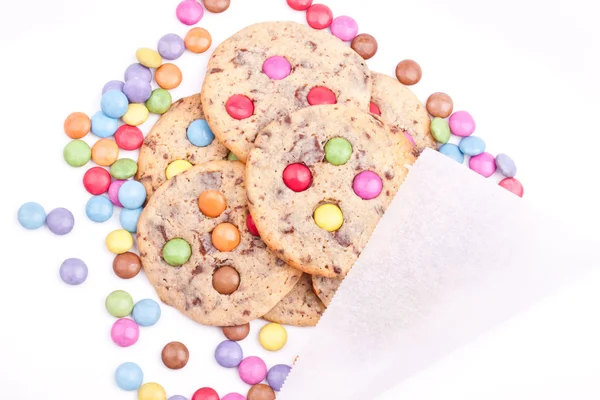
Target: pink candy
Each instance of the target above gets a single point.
(462, 124)
(252, 370)
(277, 67)
(113, 192)
(367, 185)
(189, 12)
(344, 27)
(125, 332)
(484, 164)
(233, 396)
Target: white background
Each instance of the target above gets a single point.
(527, 70)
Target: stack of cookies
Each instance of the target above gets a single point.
(264, 189)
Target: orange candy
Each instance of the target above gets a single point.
(225, 237)
(105, 152)
(77, 125)
(212, 203)
(168, 76)
(198, 40)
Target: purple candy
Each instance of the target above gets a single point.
(137, 70)
(113, 192)
(171, 46)
(73, 271)
(60, 221)
(229, 354)
(232, 396)
(367, 185)
(137, 90)
(277, 375)
(252, 370)
(113, 85)
(178, 397)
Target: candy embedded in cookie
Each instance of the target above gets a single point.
(267, 71)
(199, 253)
(318, 182)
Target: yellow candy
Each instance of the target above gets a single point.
(119, 241)
(177, 167)
(136, 114)
(329, 217)
(148, 57)
(152, 391)
(272, 337)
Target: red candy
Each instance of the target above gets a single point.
(297, 177)
(374, 109)
(299, 5)
(239, 106)
(319, 16)
(205, 394)
(96, 180)
(129, 137)
(251, 226)
(512, 185)
(321, 95)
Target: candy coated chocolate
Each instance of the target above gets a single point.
(506, 165)
(217, 6)
(367, 185)
(321, 95)
(127, 265)
(60, 221)
(175, 355)
(408, 72)
(299, 5)
(512, 185)
(236, 333)
(453, 151)
(484, 164)
(319, 16)
(365, 45)
(297, 177)
(229, 354)
(344, 28)
(226, 280)
(440, 105)
(462, 124)
(472, 145)
(171, 46)
(205, 394)
(239, 107)
(252, 370)
(277, 375)
(277, 67)
(73, 271)
(261, 392)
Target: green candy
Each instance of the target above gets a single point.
(119, 304)
(440, 130)
(338, 151)
(159, 101)
(123, 168)
(176, 252)
(232, 157)
(77, 153)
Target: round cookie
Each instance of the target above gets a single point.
(301, 306)
(400, 107)
(284, 217)
(168, 141)
(325, 288)
(173, 212)
(313, 58)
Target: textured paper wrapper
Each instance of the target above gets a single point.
(454, 256)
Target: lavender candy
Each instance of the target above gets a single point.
(506, 165)
(137, 70)
(137, 90)
(113, 85)
(171, 46)
(277, 375)
(73, 271)
(229, 354)
(60, 221)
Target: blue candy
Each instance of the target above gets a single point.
(99, 209)
(146, 312)
(452, 151)
(506, 165)
(31, 215)
(132, 194)
(104, 126)
(472, 145)
(199, 133)
(114, 103)
(129, 376)
(129, 219)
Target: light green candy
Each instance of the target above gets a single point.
(159, 101)
(232, 157)
(123, 168)
(177, 252)
(338, 151)
(440, 130)
(77, 153)
(119, 304)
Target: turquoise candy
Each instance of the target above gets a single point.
(472, 145)
(451, 150)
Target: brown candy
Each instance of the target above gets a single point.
(217, 6)
(365, 45)
(408, 72)
(175, 355)
(127, 265)
(236, 333)
(440, 105)
(226, 280)
(261, 392)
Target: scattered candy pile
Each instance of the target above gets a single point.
(110, 185)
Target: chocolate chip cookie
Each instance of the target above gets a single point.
(399, 106)
(319, 180)
(168, 142)
(199, 255)
(301, 306)
(271, 69)
(325, 287)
